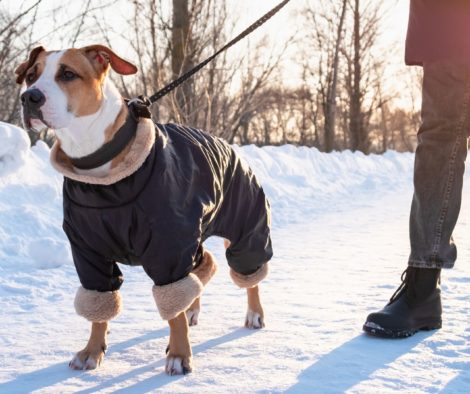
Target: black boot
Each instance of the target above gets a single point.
(416, 305)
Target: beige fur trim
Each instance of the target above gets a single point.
(96, 306)
(207, 269)
(176, 297)
(247, 281)
(138, 152)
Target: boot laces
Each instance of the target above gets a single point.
(405, 277)
(417, 287)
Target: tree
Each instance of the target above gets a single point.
(181, 53)
(325, 22)
(339, 99)
(363, 71)
(332, 85)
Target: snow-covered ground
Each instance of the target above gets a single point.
(341, 242)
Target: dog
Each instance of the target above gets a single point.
(142, 193)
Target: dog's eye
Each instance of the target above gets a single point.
(30, 77)
(68, 75)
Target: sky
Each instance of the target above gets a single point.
(278, 30)
(391, 42)
(249, 10)
(394, 30)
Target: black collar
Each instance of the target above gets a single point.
(121, 139)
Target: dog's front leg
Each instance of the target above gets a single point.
(179, 355)
(93, 353)
(255, 314)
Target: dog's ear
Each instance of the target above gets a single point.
(23, 67)
(101, 57)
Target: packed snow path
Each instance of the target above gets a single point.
(339, 253)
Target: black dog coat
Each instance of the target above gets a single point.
(191, 186)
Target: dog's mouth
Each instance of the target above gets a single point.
(34, 121)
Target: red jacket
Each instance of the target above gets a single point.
(438, 30)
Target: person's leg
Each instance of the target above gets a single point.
(438, 179)
(439, 166)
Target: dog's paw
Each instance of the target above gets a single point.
(193, 316)
(178, 365)
(254, 320)
(87, 360)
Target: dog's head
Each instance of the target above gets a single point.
(62, 85)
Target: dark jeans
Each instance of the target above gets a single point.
(440, 164)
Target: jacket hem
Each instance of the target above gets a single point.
(96, 306)
(207, 269)
(248, 281)
(176, 297)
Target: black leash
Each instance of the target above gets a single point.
(139, 107)
(177, 82)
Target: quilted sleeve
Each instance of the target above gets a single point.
(94, 271)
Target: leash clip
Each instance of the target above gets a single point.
(139, 107)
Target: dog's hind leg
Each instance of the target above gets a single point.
(254, 315)
(93, 353)
(179, 355)
(205, 271)
(192, 314)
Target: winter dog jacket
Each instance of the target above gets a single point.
(189, 187)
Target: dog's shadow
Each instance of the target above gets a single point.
(54, 374)
(49, 376)
(156, 381)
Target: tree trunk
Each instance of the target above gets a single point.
(330, 107)
(383, 119)
(155, 67)
(359, 135)
(180, 33)
(180, 61)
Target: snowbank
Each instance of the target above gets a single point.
(13, 148)
(300, 183)
(30, 205)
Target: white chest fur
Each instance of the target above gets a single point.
(86, 134)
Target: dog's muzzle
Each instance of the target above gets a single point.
(32, 100)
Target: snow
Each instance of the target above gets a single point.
(340, 239)
(13, 149)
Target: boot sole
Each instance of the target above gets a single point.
(390, 333)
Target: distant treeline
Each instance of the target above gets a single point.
(340, 102)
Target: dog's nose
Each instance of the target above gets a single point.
(33, 98)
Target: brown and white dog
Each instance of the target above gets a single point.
(68, 91)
